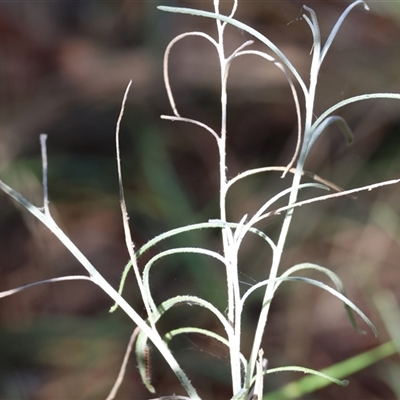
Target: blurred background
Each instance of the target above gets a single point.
(64, 66)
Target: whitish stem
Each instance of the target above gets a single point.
(43, 138)
(270, 289)
(229, 249)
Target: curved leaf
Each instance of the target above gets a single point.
(141, 342)
(244, 27)
(339, 121)
(190, 329)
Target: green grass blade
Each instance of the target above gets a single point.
(310, 384)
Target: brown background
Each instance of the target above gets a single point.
(63, 69)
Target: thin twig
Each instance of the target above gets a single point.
(329, 196)
(295, 98)
(166, 59)
(52, 280)
(192, 121)
(43, 138)
(130, 245)
(122, 370)
(292, 170)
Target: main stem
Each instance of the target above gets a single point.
(228, 247)
(270, 289)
